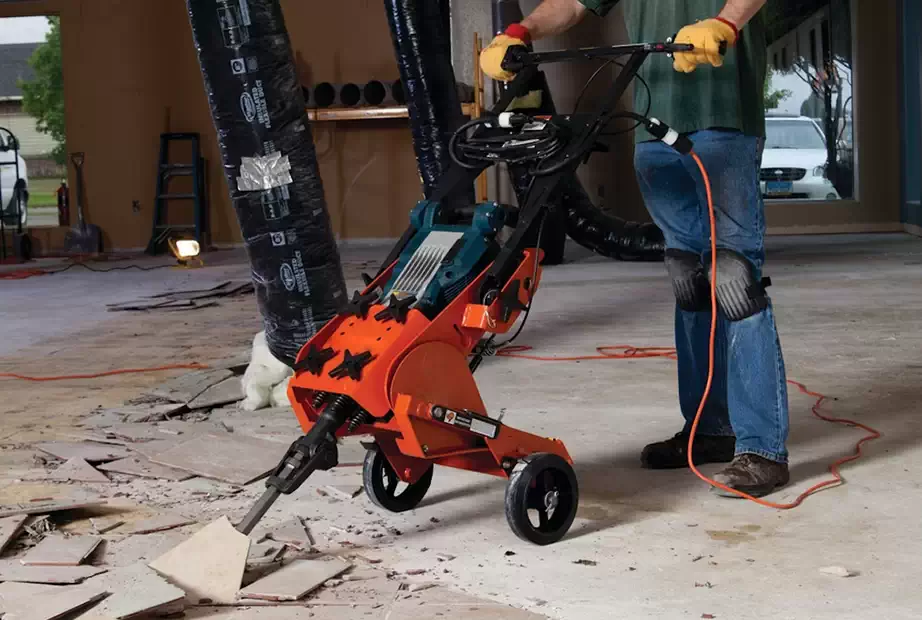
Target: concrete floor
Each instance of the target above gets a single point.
(665, 547)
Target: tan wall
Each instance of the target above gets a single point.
(130, 73)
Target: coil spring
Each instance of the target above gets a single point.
(319, 397)
(358, 418)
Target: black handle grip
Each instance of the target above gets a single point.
(688, 47)
(515, 59)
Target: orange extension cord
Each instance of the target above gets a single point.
(108, 373)
(628, 352)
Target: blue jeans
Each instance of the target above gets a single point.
(749, 394)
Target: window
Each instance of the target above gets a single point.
(809, 151)
(795, 134)
(31, 111)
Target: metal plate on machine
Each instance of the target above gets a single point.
(424, 264)
(469, 420)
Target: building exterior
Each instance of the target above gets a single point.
(14, 67)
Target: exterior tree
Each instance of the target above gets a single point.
(43, 98)
(773, 98)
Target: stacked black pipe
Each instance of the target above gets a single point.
(258, 108)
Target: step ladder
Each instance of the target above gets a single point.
(167, 171)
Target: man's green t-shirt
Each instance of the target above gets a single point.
(729, 97)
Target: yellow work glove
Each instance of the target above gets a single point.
(491, 58)
(707, 37)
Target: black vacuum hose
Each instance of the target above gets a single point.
(421, 31)
(258, 109)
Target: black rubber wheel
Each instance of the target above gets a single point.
(385, 489)
(541, 498)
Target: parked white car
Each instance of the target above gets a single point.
(11, 188)
(794, 161)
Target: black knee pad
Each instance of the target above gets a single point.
(739, 294)
(689, 281)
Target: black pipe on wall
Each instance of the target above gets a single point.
(350, 95)
(398, 93)
(374, 93)
(258, 109)
(324, 95)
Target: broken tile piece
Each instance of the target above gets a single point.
(187, 386)
(158, 523)
(56, 550)
(10, 528)
(135, 589)
(12, 570)
(226, 457)
(265, 553)
(134, 432)
(77, 470)
(23, 601)
(45, 507)
(343, 491)
(148, 449)
(141, 466)
(292, 582)
(228, 391)
(209, 565)
(362, 575)
(88, 451)
(293, 532)
(153, 412)
(235, 363)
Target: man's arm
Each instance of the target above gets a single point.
(550, 18)
(554, 17)
(709, 35)
(739, 12)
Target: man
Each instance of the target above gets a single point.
(745, 421)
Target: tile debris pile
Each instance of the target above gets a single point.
(131, 522)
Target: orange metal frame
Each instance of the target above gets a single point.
(418, 365)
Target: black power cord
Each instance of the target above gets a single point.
(592, 78)
(97, 270)
(535, 140)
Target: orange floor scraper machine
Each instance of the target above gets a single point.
(398, 363)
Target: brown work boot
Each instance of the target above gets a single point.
(752, 474)
(673, 453)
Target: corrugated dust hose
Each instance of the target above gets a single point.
(258, 109)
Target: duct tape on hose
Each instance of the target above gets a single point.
(258, 109)
(256, 173)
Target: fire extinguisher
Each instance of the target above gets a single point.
(63, 205)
